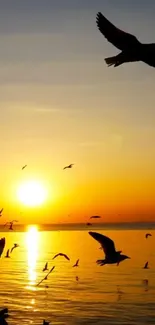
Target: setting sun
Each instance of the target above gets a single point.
(32, 193)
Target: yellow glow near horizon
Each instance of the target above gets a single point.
(32, 193)
(32, 239)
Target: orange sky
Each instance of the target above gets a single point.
(60, 104)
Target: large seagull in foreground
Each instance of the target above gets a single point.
(111, 256)
(131, 49)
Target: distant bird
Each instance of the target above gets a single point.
(69, 166)
(61, 254)
(45, 267)
(89, 224)
(24, 167)
(11, 224)
(1, 212)
(131, 49)
(111, 256)
(45, 278)
(148, 235)
(2, 245)
(95, 217)
(146, 265)
(77, 278)
(15, 246)
(7, 254)
(76, 264)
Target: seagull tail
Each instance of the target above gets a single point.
(101, 262)
(113, 60)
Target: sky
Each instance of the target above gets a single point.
(61, 104)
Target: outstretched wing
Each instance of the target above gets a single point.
(55, 256)
(67, 258)
(2, 245)
(114, 35)
(106, 243)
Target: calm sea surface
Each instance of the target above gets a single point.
(123, 294)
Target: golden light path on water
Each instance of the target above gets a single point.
(32, 243)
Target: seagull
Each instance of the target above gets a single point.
(111, 256)
(45, 278)
(1, 212)
(2, 245)
(95, 217)
(15, 246)
(76, 264)
(61, 254)
(7, 254)
(11, 224)
(131, 49)
(146, 265)
(69, 166)
(45, 267)
(24, 167)
(77, 278)
(148, 235)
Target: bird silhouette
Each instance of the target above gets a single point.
(45, 278)
(146, 265)
(45, 267)
(24, 167)
(7, 254)
(95, 217)
(77, 278)
(1, 212)
(111, 256)
(131, 49)
(15, 246)
(148, 235)
(2, 245)
(69, 166)
(76, 264)
(11, 224)
(61, 254)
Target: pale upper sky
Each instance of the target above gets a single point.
(61, 104)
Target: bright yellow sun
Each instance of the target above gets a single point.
(32, 193)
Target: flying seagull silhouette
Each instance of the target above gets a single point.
(148, 235)
(15, 246)
(45, 278)
(69, 166)
(111, 256)
(61, 254)
(2, 245)
(95, 217)
(76, 264)
(45, 267)
(131, 49)
(7, 254)
(24, 167)
(11, 224)
(1, 212)
(146, 265)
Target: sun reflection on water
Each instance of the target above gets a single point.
(32, 241)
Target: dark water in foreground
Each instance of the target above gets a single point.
(103, 295)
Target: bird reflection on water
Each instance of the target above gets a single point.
(32, 241)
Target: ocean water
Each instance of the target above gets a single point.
(123, 294)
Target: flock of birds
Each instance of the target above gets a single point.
(132, 50)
